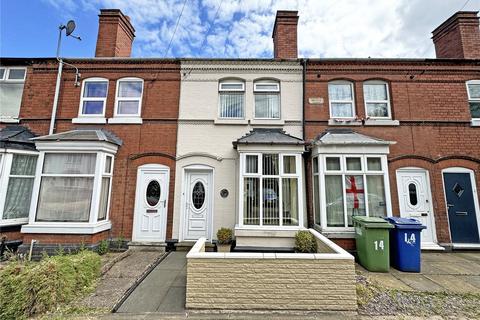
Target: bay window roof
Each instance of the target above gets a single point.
(347, 137)
(17, 137)
(86, 134)
(268, 136)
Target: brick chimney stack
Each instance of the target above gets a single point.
(285, 35)
(458, 37)
(115, 34)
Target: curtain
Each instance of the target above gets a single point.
(377, 110)
(334, 200)
(289, 164)
(251, 164)
(251, 201)
(267, 105)
(375, 92)
(65, 199)
(342, 110)
(271, 209)
(10, 97)
(376, 196)
(69, 163)
(19, 190)
(102, 212)
(270, 164)
(342, 92)
(290, 201)
(231, 104)
(355, 197)
(474, 90)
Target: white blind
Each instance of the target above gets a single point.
(267, 105)
(231, 104)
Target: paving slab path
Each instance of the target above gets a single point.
(163, 290)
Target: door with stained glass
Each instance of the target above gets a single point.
(197, 204)
(151, 203)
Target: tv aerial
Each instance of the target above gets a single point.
(69, 28)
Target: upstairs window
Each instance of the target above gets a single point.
(94, 97)
(12, 80)
(473, 89)
(232, 99)
(128, 101)
(267, 99)
(377, 100)
(340, 96)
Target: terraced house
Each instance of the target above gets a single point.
(158, 151)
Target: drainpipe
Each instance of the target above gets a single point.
(304, 75)
(57, 92)
(306, 154)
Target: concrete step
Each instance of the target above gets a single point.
(147, 246)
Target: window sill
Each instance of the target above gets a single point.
(13, 222)
(66, 227)
(344, 122)
(125, 120)
(381, 122)
(89, 120)
(231, 121)
(475, 123)
(9, 120)
(267, 122)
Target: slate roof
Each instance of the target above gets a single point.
(268, 136)
(17, 137)
(83, 134)
(347, 137)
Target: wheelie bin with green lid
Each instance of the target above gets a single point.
(372, 240)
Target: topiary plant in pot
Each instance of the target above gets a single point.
(224, 239)
(305, 242)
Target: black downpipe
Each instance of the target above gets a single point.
(306, 154)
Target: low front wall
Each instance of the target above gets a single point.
(271, 281)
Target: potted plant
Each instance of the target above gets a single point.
(224, 239)
(305, 242)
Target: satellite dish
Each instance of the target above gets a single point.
(70, 27)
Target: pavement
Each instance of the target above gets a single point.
(453, 272)
(163, 290)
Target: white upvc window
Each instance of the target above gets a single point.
(231, 99)
(93, 98)
(271, 187)
(12, 80)
(17, 173)
(72, 189)
(267, 99)
(341, 100)
(349, 185)
(473, 91)
(128, 97)
(377, 100)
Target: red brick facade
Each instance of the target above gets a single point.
(285, 35)
(115, 34)
(428, 97)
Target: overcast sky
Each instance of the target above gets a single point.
(327, 28)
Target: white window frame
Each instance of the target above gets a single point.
(263, 91)
(6, 79)
(109, 175)
(331, 101)
(220, 90)
(6, 161)
(118, 99)
(102, 150)
(389, 111)
(321, 158)
(298, 175)
(470, 99)
(83, 99)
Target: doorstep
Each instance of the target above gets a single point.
(431, 247)
(466, 246)
(147, 246)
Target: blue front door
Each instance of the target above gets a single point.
(461, 208)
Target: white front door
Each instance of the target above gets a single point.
(415, 202)
(197, 204)
(150, 217)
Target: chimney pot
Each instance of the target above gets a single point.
(285, 35)
(458, 37)
(115, 34)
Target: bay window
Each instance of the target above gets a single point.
(347, 186)
(267, 99)
(377, 100)
(17, 173)
(232, 99)
(473, 91)
(341, 100)
(271, 189)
